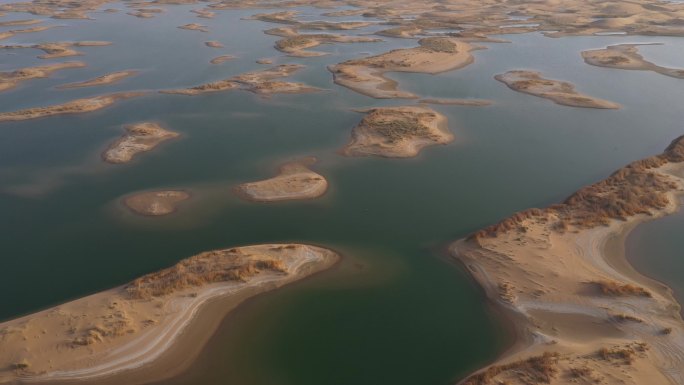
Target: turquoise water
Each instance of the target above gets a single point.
(395, 310)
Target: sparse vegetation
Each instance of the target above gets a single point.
(438, 44)
(613, 288)
(533, 370)
(626, 354)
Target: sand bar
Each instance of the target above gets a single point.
(77, 106)
(398, 132)
(583, 314)
(295, 181)
(141, 323)
(110, 78)
(560, 92)
(156, 203)
(139, 137)
(9, 80)
(221, 59)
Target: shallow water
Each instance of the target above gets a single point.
(395, 310)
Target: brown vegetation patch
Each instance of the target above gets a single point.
(533, 370)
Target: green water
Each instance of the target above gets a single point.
(395, 310)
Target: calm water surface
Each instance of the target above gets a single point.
(395, 310)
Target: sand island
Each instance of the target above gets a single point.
(221, 59)
(77, 106)
(9, 80)
(59, 49)
(627, 57)
(560, 92)
(434, 55)
(139, 137)
(296, 44)
(145, 321)
(156, 203)
(110, 78)
(398, 132)
(294, 181)
(581, 311)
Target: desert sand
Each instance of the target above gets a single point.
(583, 314)
(627, 57)
(155, 203)
(434, 55)
(295, 181)
(221, 59)
(9, 80)
(139, 137)
(398, 132)
(77, 106)
(560, 92)
(289, 17)
(260, 82)
(110, 78)
(141, 323)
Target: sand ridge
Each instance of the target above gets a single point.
(9, 80)
(627, 57)
(560, 92)
(295, 181)
(582, 313)
(110, 78)
(134, 325)
(398, 132)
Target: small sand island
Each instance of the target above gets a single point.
(195, 27)
(139, 137)
(296, 44)
(149, 320)
(214, 44)
(59, 49)
(294, 181)
(398, 132)
(14, 32)
(9, 80)
(77, 106)
(260, 82)
(627, 57)
(560, 92)
(156, 203)
(435, 55)
(110, 78)
(581, 311)
(221, 59)
(13, 23)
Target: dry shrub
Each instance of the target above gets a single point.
(533, 370)
(617, 289)
(632, 190)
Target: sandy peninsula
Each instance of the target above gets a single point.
(434, 55)
(138, 326)
(290, 18)
(214, 44)
(110, 78)
(398, 132)
(9, 80)
(261, 82)
(139, 137)
(295, 181)
(221, 59)
(14, 32)
(627, 57)
(77, 106)
(12, 23)
(560, 92)
(582, 313)
(156, 203)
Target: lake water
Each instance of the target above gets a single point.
(395, 310)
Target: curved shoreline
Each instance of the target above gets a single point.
(153, 353)
(580, 310)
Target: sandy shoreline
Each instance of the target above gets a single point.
(581, 310)
(160, 318)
